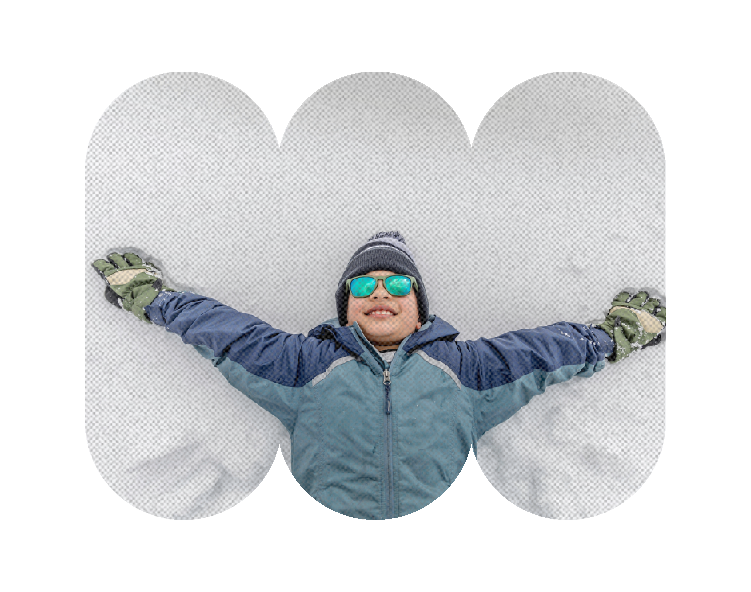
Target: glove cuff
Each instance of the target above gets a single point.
(142, 297)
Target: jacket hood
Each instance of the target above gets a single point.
(436, 329)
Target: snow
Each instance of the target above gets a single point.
(564, 194)
(585, 446)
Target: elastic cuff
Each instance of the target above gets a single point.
(154, 310)
(605, 343)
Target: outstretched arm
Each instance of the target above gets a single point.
(505, 372)
(511, 369)
(260, 361)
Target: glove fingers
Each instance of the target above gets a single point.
(651, 304)
(638, 299)
(621, 298)
(661, 313)
(103, 267)
(133, 259)
(118, 261)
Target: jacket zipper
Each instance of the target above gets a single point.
(389, 451)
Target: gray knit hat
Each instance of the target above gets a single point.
(384, 250)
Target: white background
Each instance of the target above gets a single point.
(63, 527)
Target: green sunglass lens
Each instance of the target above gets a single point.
(398, 285)
(362, 286)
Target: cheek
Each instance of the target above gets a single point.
(353, 307)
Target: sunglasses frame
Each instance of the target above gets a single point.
(383, 278)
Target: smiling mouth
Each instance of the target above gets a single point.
(380, 313)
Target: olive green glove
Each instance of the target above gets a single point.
(634, 322)
(131, 283)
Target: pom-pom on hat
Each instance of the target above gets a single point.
(384, 250)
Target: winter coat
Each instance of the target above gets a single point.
(372, 439)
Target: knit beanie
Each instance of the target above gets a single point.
(384, 250)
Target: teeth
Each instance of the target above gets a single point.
(381, 312)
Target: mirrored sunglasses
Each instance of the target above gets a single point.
(396, 285)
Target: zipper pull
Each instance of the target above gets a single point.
(387, 382)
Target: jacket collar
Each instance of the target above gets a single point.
(436, 329)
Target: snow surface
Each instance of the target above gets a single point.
(557, 208)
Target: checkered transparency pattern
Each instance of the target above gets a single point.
(367, 153)
(172, 173)
(578, 167)
(557, 206)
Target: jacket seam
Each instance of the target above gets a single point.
(442, 366)
(319, 378)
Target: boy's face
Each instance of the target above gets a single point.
(384, 331)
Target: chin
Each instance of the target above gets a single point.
(379, 328)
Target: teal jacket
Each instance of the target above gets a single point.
(371, 439)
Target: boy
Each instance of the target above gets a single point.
(381, 403)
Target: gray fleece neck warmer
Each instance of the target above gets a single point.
(383, 250)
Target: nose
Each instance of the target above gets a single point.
(380, 289)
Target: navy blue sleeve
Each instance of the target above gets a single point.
(268, 365)
(207, 323)
(505, 372)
